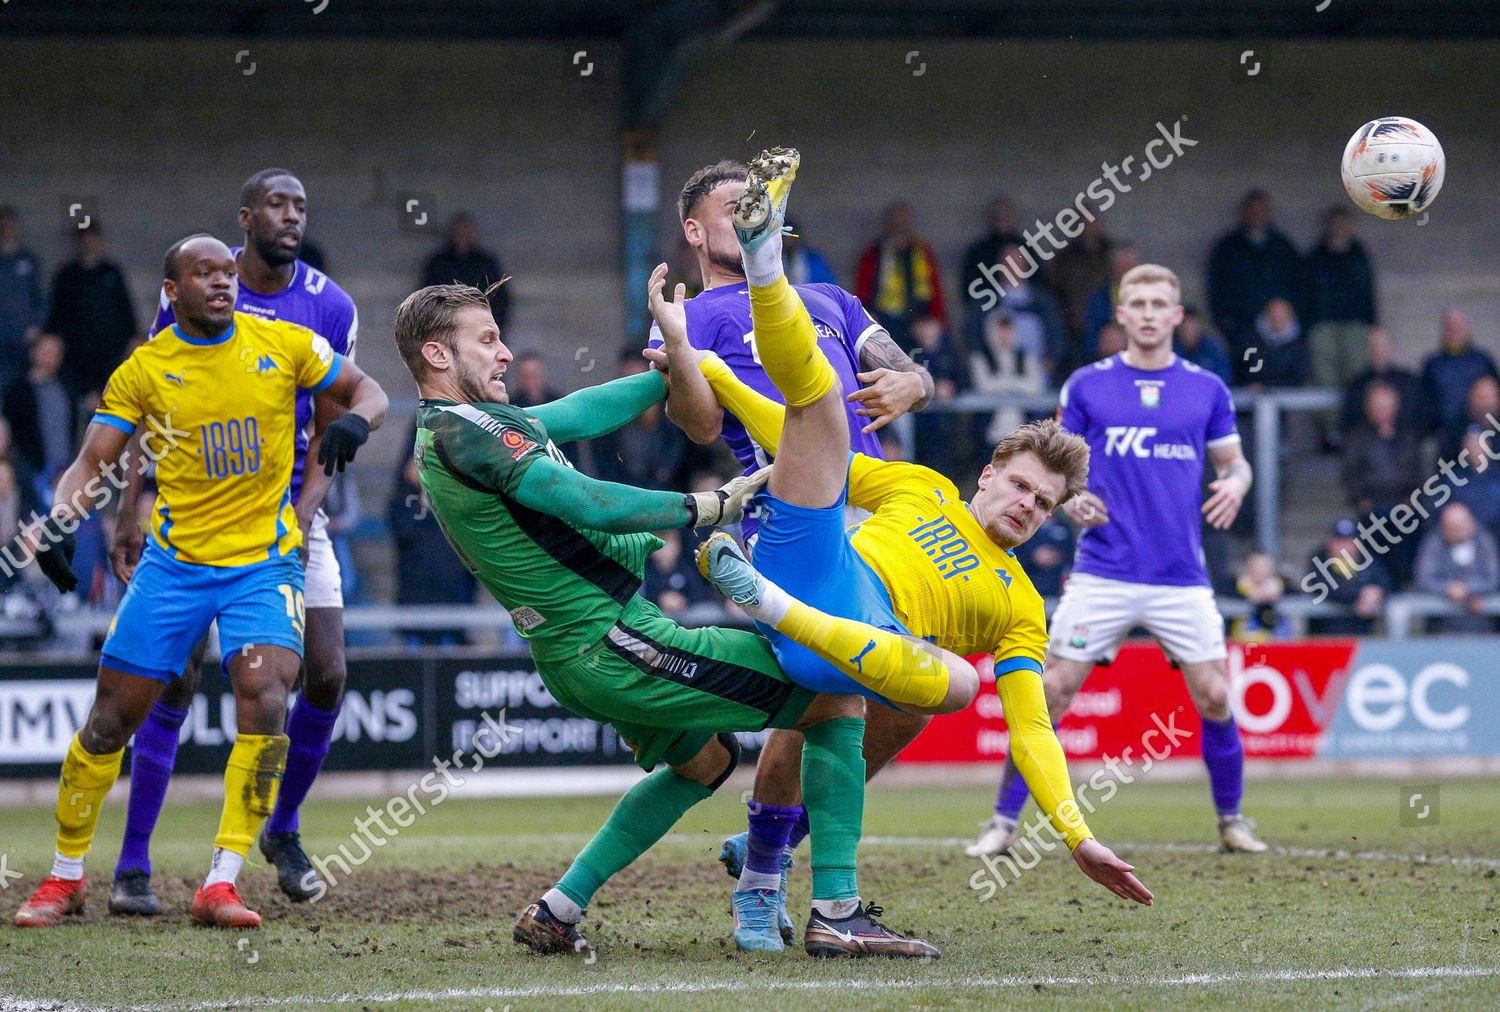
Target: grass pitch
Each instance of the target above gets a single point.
(1354, 909)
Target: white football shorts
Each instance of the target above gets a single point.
(1095, 614)
(323, 585)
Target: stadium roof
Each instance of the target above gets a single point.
(960, 19)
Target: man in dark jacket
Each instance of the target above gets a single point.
(1415, 416)
(1450, 372)
(42, 412)
(1340, 300)
(92, 312)
(461, 260)
(22, 303)
(1247, 268)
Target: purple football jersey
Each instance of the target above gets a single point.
(313, 301)
(1148, 433)
(718, 320)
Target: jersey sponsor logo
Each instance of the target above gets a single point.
(516, 443)
(948, 550)
(526, 618)
(1132, 441)
(322, 349)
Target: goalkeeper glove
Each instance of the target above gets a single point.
(54, 554)
(725, 504)
(341, 441)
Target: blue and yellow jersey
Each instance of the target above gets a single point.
(948, 582)
(219, 416)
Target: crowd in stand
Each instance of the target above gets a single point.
(1021, 321)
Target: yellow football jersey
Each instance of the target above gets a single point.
(948, 581)
(219, 416)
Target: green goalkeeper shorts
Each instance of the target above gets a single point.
(668, 689)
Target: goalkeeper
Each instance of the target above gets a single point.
(565, 554)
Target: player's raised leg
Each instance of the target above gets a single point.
(911, 673)
(89, 770)
(810, 463)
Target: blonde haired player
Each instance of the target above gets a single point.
(925, 566)
(1149, 418)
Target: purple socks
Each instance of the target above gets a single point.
(151, 759)
(1225, 758)
(1011, 797)
(770, 828)
(310, 730)
(799, 830)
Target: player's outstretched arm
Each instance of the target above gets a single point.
(551, 488)
(894, 384)
(1039, 756)
(691, 404)
(594, 411)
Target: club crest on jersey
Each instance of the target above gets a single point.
(515, 441)
(1150, 395)
(1080, 638)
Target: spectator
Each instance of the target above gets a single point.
(648, 452)
(1101, 307)
(427, 569)
(1248, 267)
(22, 304)
(461, 259)
(1279, 351)
(1458, 561)
(1000, 231)
(1081, 269)
(1340, 301)
(1262, 588)
(1034, 309)
(92, 312)
(1450, 372)
(1047, 557)
(805, 265)
(1382, 466)
(898, 278)
(671, 579)
(1481, 492)
(1481, 408)
(526, 381)
(1359, 581)
(1414, 417)
(43, 412)
(1111, 340)
(31, 489)
(943, 438)
(1194, 343)
(1007, 362)
(686, 270)
(17, 506)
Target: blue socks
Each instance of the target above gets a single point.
(310, 730)
(151, 758)
(1224, 756)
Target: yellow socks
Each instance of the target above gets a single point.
(902, 670)
(251, 780)
(788, 344)
(761, 416)
(86, 779)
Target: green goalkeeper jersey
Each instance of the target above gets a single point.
(562, 552)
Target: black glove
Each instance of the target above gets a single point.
(341, 441)
(54, 554)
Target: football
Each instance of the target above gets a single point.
(1393, 167)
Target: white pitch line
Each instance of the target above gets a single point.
(841, 984)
